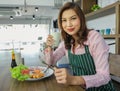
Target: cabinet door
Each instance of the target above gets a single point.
(86, 5)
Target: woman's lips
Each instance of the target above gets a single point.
(71, 29)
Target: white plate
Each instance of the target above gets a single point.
(48, 73)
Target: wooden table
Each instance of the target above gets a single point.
(48, 84)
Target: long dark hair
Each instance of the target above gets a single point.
(83, 31)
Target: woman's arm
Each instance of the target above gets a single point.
(63, 77)
(51, 56)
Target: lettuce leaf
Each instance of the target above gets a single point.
(16, 72)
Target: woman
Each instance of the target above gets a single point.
(86, 50)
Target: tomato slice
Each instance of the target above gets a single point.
(25, 71)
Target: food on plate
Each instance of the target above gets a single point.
(36, 73)
(25, 71)
(22, 72)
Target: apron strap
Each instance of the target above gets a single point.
(86, 49)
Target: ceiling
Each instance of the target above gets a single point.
(26, 9)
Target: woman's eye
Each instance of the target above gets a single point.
(73, 18)
(63, 20)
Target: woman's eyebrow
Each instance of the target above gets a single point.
(74, 16)
(70, 16)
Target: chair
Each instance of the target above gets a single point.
(114, 61)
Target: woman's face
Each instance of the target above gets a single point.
(70, 22)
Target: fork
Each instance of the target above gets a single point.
(46, 70)
(49, 66)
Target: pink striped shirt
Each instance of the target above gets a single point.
(99, 51)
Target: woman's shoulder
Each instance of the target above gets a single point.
(96, 40)
(93, 37)
(93, 34)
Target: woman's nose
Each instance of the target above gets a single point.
(69, 23)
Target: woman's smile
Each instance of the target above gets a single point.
(70, 29)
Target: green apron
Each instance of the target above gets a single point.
(83, 64)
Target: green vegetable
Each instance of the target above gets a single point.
(17, 74)
(95, 7)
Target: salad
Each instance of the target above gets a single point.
(22, 72)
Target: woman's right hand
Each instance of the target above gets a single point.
(50, 41)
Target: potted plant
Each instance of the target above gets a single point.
(95, 7)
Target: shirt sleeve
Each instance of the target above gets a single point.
(100, 52)
(53, 56)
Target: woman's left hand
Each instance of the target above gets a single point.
(62, 76)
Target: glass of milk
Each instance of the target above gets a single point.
(56, 36)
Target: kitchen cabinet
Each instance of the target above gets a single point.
(110, 9)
